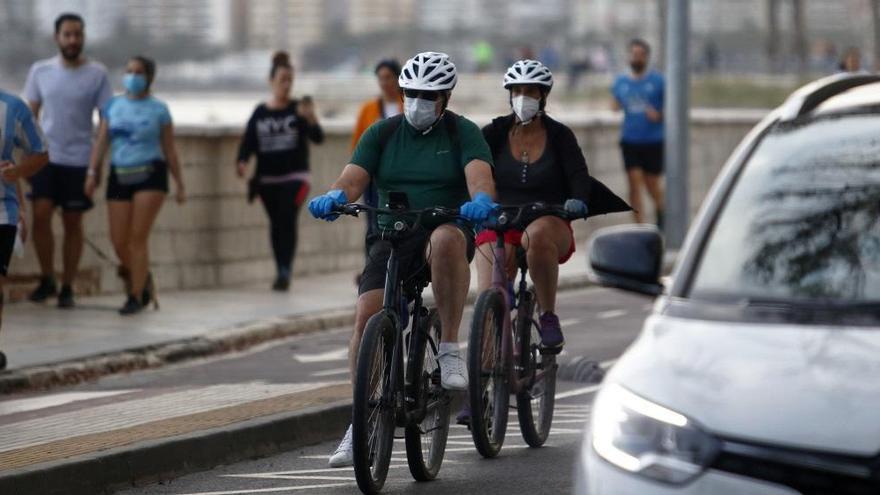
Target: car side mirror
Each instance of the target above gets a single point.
(628, 257)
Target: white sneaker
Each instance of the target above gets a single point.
(453, 372)
(343, 457)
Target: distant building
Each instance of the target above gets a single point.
(283, 24)
(369, 16)
(101, 17)
(209, 21)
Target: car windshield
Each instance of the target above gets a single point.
(802, 224)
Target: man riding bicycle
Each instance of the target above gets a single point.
(435, 158)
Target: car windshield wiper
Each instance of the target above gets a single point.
(811, 304)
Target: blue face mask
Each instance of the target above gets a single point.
(134, 83)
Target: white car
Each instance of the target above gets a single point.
(758, 371)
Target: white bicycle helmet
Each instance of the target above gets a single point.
(428, 71)
(528, 72)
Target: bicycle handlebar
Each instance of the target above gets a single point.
(437, 212)
(529, 210)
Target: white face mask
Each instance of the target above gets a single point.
(419, 113)
(525, 107)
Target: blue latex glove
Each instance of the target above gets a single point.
(576, 208)
(322, 206)
(479, 209)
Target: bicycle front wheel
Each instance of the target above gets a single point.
(487, 375)
(534, 405)
(373, 409)
(426, 441)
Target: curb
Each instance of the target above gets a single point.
(155, 460)
(237, 338)
(152, 356)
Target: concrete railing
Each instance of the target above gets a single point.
(216, 239)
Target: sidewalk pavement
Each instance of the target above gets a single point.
(42, 335)
(78, 442)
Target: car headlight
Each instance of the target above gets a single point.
(648, 439)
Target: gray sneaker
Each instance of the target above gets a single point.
(343, 457)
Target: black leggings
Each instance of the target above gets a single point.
(282, 203)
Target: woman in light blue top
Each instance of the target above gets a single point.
(137, 128)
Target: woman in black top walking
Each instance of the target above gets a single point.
(278, 133)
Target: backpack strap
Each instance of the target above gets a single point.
(388, 130)
(451, 122)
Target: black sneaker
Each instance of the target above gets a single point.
(2, 361)
(132, 306)
(65, 297)
(149, 295)
(45, 290)
(282, 284)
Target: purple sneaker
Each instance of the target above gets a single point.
(551, 333)
(464, 416)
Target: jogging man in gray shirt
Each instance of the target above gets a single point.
(63, 93)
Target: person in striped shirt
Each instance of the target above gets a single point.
(18, 131)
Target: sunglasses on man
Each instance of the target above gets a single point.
(424, 95)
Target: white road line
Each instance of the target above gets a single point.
(569, 322)
(566, 431)
(578, 391)
(459, 442)
(607, 364)
(271, 490)
(614, 313)
(340, 354)
(36, 403)
(284, 473)
(300, 478)
(333, 372)
(472, 448)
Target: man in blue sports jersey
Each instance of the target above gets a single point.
(17, 130)
(640, 95)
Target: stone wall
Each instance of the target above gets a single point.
(216, 239)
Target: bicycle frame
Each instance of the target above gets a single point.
(511, 352)
(407, 409)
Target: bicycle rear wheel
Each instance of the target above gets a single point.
(487, 375)
(426, 441)
(373, 409)
(534, 405)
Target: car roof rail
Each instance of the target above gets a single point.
(807, 98)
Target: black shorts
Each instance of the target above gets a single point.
(63, 185)
(7, 244)
(412, 259)
(156, 181)
(648, 157)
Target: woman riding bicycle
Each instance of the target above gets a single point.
(538, 159)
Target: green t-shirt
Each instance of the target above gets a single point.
(422, 166)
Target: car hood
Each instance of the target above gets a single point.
(810, 387)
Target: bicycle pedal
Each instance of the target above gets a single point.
(550, 351)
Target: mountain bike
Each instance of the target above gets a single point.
(397, 381)
(504, 352)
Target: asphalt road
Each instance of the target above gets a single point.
(599, 324)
